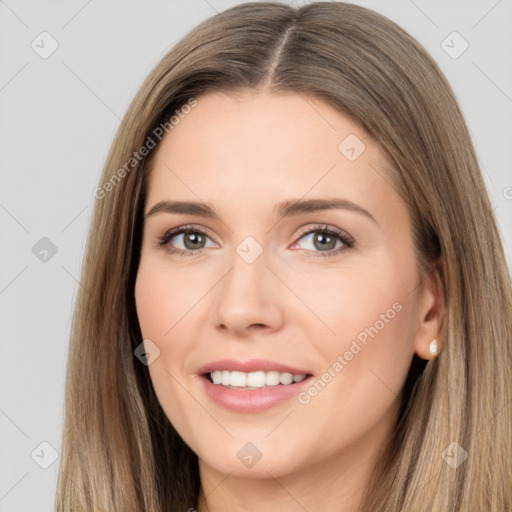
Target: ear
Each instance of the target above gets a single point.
(431, 311)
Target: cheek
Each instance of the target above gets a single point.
(358, 301)
(162, 301)
(369, 310)
(172, 313)
(165, 297)
(154, 302)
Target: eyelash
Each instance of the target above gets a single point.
(344, 237)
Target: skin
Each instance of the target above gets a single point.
(243, 154)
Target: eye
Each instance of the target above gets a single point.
(322, 240)
(187, 240)
(326, 241)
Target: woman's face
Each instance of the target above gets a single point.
(257, 289)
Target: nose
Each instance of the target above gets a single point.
(249, 298)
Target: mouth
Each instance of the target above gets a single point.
(252, 386)
(239, 380)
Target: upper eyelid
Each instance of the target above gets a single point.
(179, 230)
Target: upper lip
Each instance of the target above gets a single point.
(252, 365)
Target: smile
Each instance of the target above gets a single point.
(253, 399)
(253, 380)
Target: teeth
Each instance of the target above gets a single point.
(253, 379)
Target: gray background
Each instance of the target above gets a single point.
(58, 118)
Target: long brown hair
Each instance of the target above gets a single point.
(120, 451)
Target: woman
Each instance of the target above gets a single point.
(294, 294)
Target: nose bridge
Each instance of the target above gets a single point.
(247, 279)
(247, 294)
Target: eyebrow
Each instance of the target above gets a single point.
(285, 209)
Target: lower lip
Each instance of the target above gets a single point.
(251, 400)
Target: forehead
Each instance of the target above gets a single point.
(286, 122)
(253, 146)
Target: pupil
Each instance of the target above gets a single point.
(322, 239)
(195, 238)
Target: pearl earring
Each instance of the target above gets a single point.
(433, 347)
